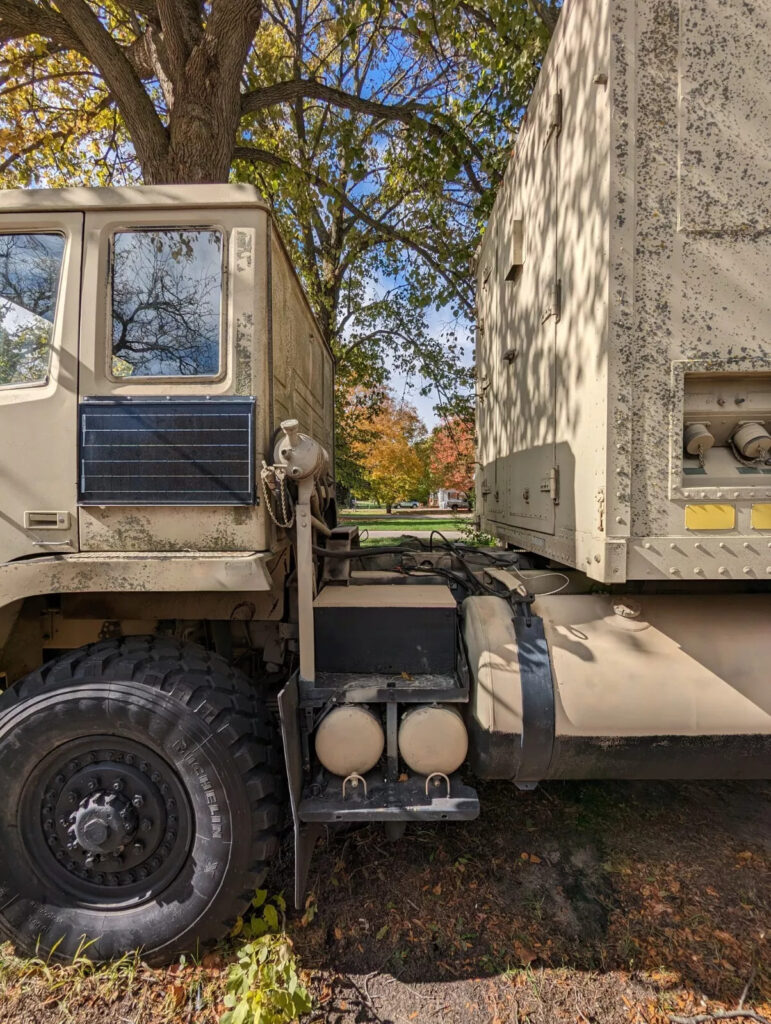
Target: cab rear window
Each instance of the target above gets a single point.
(30, 269)
(166, 302)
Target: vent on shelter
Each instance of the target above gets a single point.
(170, 451)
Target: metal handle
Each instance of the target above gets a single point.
(438, 775)
(354, 778)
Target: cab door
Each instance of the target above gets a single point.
(40, 265)
(172, 380)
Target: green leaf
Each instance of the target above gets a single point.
(240, 1013)
(270, 915)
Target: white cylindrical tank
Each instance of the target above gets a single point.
(433, 738)
(349, 739)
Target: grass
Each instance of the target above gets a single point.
(251, 978)
(404, 523)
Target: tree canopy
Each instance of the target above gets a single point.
(377, 129)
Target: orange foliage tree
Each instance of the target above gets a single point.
(452, 456)
(393, 453)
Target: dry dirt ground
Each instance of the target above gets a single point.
(587, 903)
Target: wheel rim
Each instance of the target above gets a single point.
(107, 820)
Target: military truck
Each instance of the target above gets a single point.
(193, 651)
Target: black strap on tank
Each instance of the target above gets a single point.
(537, 693)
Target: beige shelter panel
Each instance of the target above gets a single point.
(662, 255)
(302, 365)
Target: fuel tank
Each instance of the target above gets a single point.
(598, 686)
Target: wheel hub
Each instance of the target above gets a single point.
(103, 823)
(114, 819)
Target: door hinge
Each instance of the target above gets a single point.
(555, 302)
(555, 117)
(554, 484)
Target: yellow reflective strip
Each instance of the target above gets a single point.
(761, 517)
(710, 517)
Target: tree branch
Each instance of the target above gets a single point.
(255, 155)
(407, 113)
(545, 13)
(78, 28)
(19, 19)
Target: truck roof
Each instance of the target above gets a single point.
(38, 200)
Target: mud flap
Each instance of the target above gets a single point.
(305, 835)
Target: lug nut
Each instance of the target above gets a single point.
(73, 796)
(60, 854)
(138, 800)
(117, 786)
(52, 840)
(156, 777)
(147, 825)
(138, 846)
(49, 825)
(129, 759)
(99, 879)
(60, 779)
(93, 785)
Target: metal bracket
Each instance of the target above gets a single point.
(438, 775)
(354, 778)
(555, 118)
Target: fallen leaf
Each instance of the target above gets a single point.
(177, 993)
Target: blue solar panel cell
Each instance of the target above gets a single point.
(169, 451)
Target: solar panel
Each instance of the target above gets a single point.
(167, 451)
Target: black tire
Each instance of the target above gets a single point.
(140, 807)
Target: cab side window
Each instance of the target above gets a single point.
(166, 302)
(30, 269)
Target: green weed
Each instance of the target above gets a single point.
(264, 984)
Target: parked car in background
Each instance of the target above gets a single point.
(412, 503)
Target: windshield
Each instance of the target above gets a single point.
(30, 268)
